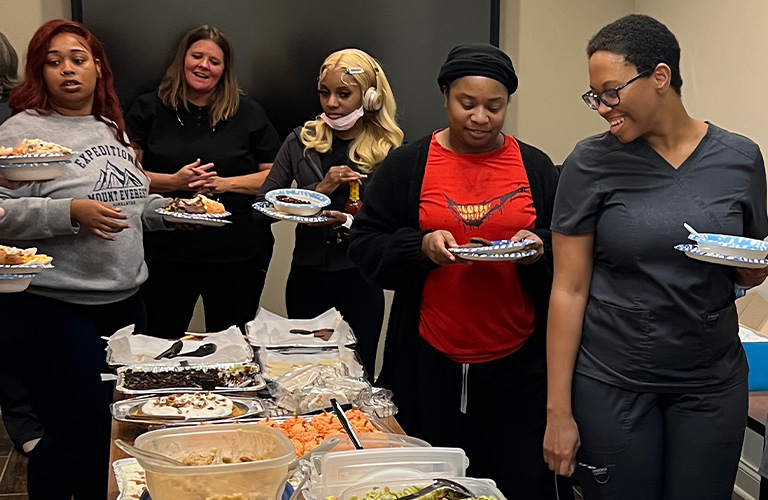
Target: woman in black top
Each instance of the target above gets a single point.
(353, 135)
(465, 342)
(647, 376)
(199, 115)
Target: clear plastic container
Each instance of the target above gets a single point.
(478, 487)
(333, 473)
(256, 480)
(377, 440)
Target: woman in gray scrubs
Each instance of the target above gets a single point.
(647, 378)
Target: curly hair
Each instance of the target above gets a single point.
(380, 130)
(33, 93)
(643, 41)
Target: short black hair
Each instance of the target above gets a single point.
(643, 41)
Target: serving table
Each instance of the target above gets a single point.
(130, 431)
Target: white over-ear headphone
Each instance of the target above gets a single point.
(372, 98)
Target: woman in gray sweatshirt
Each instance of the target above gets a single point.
(91, 221)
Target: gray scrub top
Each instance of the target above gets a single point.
(657, 320)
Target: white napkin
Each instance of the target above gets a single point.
(746, 335)
(124, 348)
(272, 330)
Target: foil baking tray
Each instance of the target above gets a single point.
(127, 410)
(130, 478)
(252, 381)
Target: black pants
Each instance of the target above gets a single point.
(310, 293)
(651, 446)
(56, 347)
(502, 431)
(19, 418)
(230, 291)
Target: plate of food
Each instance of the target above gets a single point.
(34, 160)
(725, 244)
(221, 377)
(477, 246)
(199, 210)
(12, 283)
(185, 407)
(694, 252)
(269, 210)
(495, 257)
(292, 201)
(22, 260)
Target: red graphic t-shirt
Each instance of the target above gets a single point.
(479, 312)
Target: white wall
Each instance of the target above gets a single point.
(724, 64)
(20, 18)
(547, 42)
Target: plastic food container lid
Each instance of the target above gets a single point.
(378, 440)
(478, 487)
(347, 467)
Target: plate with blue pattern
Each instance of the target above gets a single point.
(694, 252)
(269, 210)
(295, 201)
(11, 283)
(726, 244)
(499, 246)
(197, 219)
(496, 257)
(24, 268)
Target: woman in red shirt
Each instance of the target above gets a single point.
(471, 336)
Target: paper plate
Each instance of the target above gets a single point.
(497, 257)
(198, 219)
(694, 252)
(267, 209)
(500, 246)
(24, 268)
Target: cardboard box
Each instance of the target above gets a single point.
(753, 316)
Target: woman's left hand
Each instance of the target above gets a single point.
(212, 185)
(750, 277)
(335, 218)
(537, 245)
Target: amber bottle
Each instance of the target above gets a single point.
(353, 204)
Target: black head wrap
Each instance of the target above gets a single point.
(478, 60)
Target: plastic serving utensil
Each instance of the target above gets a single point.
(202, 351)
(172, 351)
(327, 445)
(345, 424)
(691, 230)
(440, 484)
(148, 455)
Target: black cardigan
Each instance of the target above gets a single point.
(385, 244)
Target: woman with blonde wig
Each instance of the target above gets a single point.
(331, 154)
(200, 133)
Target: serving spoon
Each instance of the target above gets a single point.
(202, 351)
(147, 455)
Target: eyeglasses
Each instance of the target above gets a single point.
(609, 97)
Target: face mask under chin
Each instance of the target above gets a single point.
(345, 122)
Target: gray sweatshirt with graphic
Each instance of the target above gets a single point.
(88, 269)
